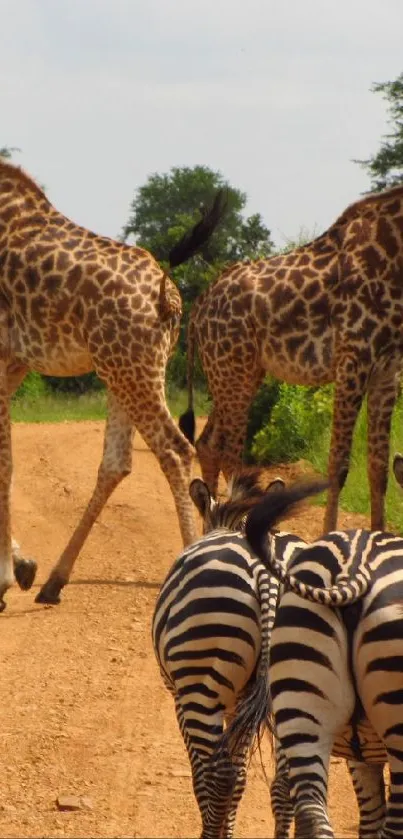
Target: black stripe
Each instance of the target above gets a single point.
(309, 577)
(390, 594)
(391, 697)
(197, 687)
(398, 753)
(297, 739)
(208, 632)
(299, 685)
(184, 672)
(215, 578)
(394, 729)
(323, 557)
(286, 714)
(390, 664)
(387, 631)
(216, 652)
(199, 725)
(302, 652)
(207, 605)
(303, 618)
(197, 708)
(304, 761)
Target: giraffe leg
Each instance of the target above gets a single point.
(115, 465)
(24, 569)
(382, 393)
(208, 448)
(350, 386)
(175, 456)
(221, 444)
(6, 563)
(174, 453)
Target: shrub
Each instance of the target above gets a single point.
(297, 421)
(260, 412)
(33, 386)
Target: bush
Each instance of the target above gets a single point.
(298, 420)
(177, 371)
(74, 384)
(33, 386)
(260, 412)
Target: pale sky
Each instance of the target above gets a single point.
(275, 94)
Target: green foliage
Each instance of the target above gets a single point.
(32, 387)
(299, 418)
(169, 204)
(386, 167)
(260, 412)
(7, 151)
(74, 384)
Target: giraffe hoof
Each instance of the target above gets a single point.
(25, 571)
(3, 605)
(50, 592)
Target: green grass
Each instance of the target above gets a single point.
(60, 407)
(355, 495)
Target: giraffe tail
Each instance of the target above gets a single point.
(198, 235)
(187, 422)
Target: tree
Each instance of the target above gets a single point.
(386, 167)
(168, 205)
(7, 151)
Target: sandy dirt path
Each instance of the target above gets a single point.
(84, 711)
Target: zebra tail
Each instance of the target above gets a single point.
(187, 422)
(253, 711)
(262, 517)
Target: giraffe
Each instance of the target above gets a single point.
(329, 311)
(71, 302)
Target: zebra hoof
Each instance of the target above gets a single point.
(25, 571)
(50, 592)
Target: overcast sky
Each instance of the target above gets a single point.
(275, 94)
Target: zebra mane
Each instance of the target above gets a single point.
(245, 490)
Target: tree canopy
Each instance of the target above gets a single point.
(168, 204)
(7, 151)
(385, 168)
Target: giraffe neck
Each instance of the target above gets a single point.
(23, 205)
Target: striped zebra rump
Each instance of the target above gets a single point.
(209, 629)
(336, 675)
(211, 634)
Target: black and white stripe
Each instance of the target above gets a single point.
(336, 676)
(211, 633)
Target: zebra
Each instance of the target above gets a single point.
(348, 697)
(211, 631)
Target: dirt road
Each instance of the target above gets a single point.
(84, 712)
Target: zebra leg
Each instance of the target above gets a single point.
(239, 759)
(214, 778)
(393, 824)
(221, 783)
(196, 763)
(369, 788)
(308, 789)
(281, 805)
